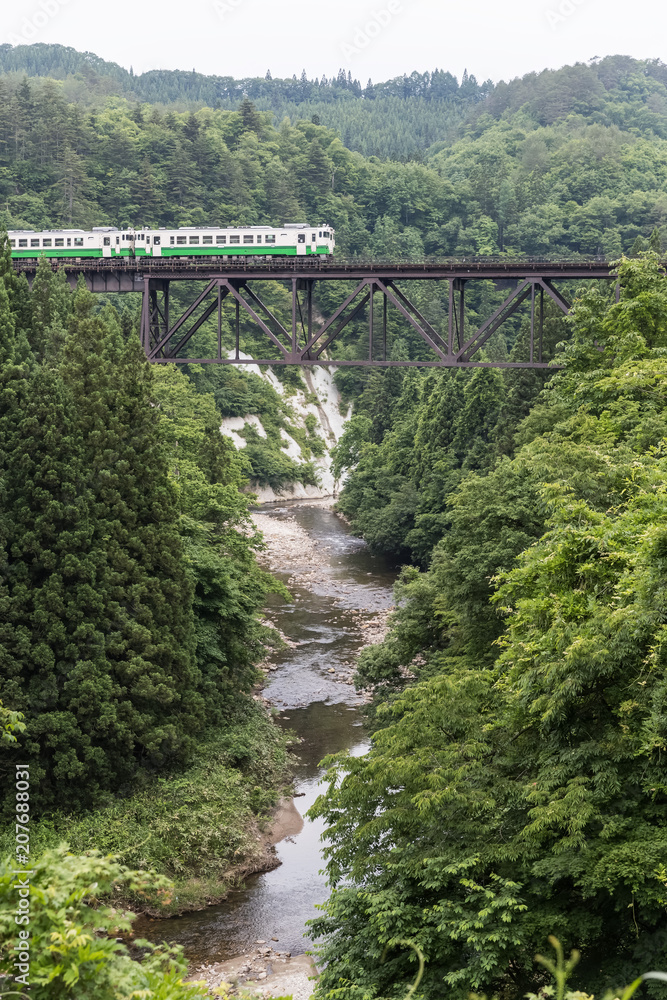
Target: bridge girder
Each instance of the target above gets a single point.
(305, 342)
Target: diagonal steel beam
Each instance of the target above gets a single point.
(179, 322)
(251, 312)
(341, 309)
(424, 322)
(341, 326)
(488, 328)
(256, 299)
(401, 308)
(558, 298)
(210, 309)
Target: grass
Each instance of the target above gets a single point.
(201, 827)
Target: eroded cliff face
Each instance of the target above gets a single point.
(314, 409)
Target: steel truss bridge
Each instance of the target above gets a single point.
(377, 288)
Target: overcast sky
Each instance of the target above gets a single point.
(499, 39)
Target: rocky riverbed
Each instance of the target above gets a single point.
(341, 603)
(292, 552)
(264, 972)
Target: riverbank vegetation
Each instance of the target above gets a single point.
(515, 785)
(131, 601)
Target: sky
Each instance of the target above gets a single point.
(377, 39)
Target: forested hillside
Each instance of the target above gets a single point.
(573, 161)
(515, 786)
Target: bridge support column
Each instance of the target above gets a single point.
(302, 339)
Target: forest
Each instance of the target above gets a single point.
(515, 784)
(567, 162)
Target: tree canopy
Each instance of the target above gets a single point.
(515, 784)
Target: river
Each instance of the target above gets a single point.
(341, 597)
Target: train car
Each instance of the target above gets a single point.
(188, 242)
(290, 240)
(61, 243)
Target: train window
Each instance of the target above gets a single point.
(107, 241)
(301, 237)
(78, 241)
(69, 241)
(23, 243)
(325, 234)
(171, 240)
(181, 240)
(259, 239)
(221, 239)
(59, 243)
(156, 241)
(46, 243)
(248, 239)
(34, 243)
(194, 239)
(12, 243)
(320, 234)
(207, 239)
(269, 239)
(313, 238)
(234, 239)
(117, 241)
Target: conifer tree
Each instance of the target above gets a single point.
(18, 292)
(51, 308)
(57, 671)
(144, 583)
(98, 640)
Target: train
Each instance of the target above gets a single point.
(295, 239)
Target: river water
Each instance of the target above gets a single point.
(331, 613)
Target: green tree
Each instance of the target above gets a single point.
(74, 938)
(503, 801)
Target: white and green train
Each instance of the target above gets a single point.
(189, 242)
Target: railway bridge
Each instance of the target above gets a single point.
(376, 288)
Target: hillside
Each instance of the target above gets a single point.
(514, 787)
(572, 161)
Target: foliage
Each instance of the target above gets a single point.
(220, 540)
(99, 596)
(10, 722)
(130, 588)
(515, 786)
(198, 826)
(78, 937)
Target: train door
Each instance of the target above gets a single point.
(106, 246)
(301, 245)
(157, 246)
